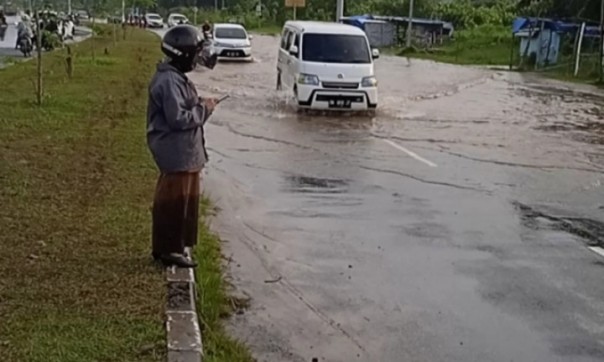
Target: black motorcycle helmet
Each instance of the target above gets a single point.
(185, 47)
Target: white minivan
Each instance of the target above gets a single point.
(327, 66)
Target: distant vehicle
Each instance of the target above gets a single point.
(9, 9)
(82, 14)
(116, 18)
(327, 66)
(232, 41)
(154, 21)
(177, 19)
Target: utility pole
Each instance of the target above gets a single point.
(215, 5)
(68, 6)
(339, 10)
(602, 42)
(123, 11)
(410, 25)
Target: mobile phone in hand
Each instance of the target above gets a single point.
(222, 98)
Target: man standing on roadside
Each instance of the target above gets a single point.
(175, 119)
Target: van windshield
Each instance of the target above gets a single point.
(335, 48)
(230, 33)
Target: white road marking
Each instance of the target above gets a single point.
(410, 153)
(598, 250)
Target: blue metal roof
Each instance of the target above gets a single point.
(360, 20)
(520, 24)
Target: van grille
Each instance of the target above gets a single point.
(340, 85)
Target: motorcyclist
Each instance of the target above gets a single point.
(175, 136)
(3, 25)
(24, 29)
(206, 26)
(206, 29)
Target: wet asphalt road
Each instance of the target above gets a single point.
(7, 46)
(435, 231)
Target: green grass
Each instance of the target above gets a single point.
(463, 54)
(588, 70)
(484, 45)
(76, 184)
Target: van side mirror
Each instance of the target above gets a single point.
(375, 53)
(251, 37)
(293, 50)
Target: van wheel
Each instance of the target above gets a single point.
(279, 86)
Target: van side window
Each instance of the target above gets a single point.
(284, 38)
(290, 40)
(296, 42)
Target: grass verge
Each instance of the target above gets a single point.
(76, 183)
(484, 45)
(214, 304)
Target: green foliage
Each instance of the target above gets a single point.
(583, 9)
(465, 14)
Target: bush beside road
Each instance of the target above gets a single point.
(76, 183)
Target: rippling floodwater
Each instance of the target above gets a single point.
(400, 237)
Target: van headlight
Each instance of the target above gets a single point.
(369, 82)
(308, 79)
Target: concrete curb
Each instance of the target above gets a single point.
(182, 322)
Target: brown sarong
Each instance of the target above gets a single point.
(175, 212)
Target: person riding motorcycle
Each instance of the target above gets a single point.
(24, 29)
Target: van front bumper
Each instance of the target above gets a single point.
(337, 99)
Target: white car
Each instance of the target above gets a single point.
(232, 41)
(154, 21)
(327, 66)
(177, 19)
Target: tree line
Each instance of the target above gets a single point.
(463, 13)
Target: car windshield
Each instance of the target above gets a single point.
(179, 17)
(154, 17)
(230, 33)
(335, 48)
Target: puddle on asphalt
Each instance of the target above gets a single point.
(307, 184)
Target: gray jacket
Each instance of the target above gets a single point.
(175, 122)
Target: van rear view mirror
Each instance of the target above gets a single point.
(375, 53)
(293, 50)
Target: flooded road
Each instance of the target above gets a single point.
(454, 225)
(7, 45)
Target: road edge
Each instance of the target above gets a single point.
(86, 33)
(183, 334)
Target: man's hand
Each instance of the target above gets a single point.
(209, 104)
